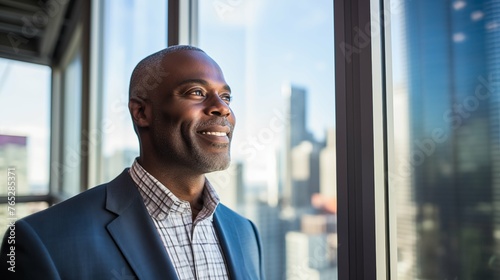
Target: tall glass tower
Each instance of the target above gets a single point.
(453, 50)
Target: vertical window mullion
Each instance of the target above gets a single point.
(356, 165)
(182, 22)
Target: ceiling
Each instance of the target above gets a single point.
(31, 29)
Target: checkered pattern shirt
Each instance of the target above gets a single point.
(193, 247)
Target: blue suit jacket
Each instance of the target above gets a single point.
(106, 233)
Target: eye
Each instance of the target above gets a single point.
(226, 97)
(197, 92)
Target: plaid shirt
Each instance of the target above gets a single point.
(193, 247)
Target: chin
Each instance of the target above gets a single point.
(220, 166)
(213, 163)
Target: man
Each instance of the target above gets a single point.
(160, 219)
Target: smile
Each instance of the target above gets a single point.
(216, 133)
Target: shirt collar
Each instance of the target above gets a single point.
(160, 201)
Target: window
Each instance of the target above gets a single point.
(415, 101)
(277, 57)
(24, 135)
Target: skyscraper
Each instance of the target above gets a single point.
(305, 173)
(328, 166)
(301, 163)
(493, 54)
(297, 111)
(311, 252)
(451, 46)
(272, 231)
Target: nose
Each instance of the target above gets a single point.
(218, 107)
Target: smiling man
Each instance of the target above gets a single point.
(160, 219)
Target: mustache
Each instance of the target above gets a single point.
(214, 122)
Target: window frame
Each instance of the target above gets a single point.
(75, 35)
(363, 229)
(78, 38)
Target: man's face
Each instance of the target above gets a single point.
(193, 123)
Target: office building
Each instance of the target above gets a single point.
(311, 252)
(452, 50)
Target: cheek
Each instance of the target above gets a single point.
(170, 115)
(164, 124)
(232, 118)
(185, 120)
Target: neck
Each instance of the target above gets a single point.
(187, 186)
(190, 190)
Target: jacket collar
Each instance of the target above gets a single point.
(134, 232)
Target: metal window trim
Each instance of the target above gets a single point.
(182, 22)
(379, 37)
(58, 98)
(79, 41)
(96, 100)
(391, 230)
(361, 152)
(85, 143)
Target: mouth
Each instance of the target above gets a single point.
(216, 134)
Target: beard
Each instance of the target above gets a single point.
(182, 147)
(211, 162)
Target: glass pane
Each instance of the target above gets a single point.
(446, 84)
(277, 56)
(24, 126)
(132, 30)
(72, 101)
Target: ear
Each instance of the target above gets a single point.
(140, 110)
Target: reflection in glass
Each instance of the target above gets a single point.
(277, 56)
(446, 65)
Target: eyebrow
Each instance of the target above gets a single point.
(202, 82)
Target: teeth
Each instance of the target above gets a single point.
(214, 133)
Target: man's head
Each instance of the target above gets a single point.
(179, 103)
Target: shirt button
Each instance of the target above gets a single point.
(162, 216)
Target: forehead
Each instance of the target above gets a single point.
(191, 64)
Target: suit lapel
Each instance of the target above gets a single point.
(134, 232)
(230, 243)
